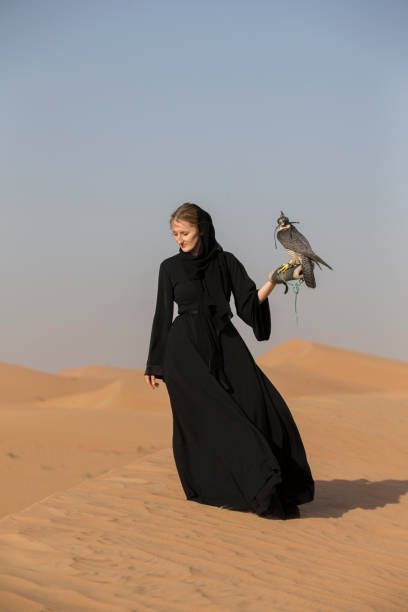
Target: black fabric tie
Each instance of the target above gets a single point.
(209, 328)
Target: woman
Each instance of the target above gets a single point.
(235, 442)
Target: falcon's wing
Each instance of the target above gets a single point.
(293, 240)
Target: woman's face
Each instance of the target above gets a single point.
(186, 235)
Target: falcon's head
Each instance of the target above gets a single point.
(282, 220)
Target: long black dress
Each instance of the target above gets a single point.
(234, 449)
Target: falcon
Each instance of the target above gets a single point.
(299, 249)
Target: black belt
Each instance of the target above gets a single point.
(188, 310)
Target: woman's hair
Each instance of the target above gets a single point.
(185, 212)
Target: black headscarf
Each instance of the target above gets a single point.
(210, 267)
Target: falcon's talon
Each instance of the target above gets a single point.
(283, 268)
(286, 272)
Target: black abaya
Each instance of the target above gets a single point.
(240, 449)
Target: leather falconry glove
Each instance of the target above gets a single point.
(286, 272)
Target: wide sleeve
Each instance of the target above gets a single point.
(162, 321)
(247, 305)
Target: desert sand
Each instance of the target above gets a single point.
(93, 516)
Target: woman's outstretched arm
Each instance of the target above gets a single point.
(265, 290)
(246, 295)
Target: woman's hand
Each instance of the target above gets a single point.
(151, 381)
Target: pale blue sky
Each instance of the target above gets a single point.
(112, 113)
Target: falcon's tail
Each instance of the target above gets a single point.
(307, 268)
(318, 260)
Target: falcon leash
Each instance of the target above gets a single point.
(295, 287)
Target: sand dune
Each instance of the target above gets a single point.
(129, 540)
(19, 385)
(97, 371)
(44, 450)
(129, 393)
(110, 528)
(299, 367)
